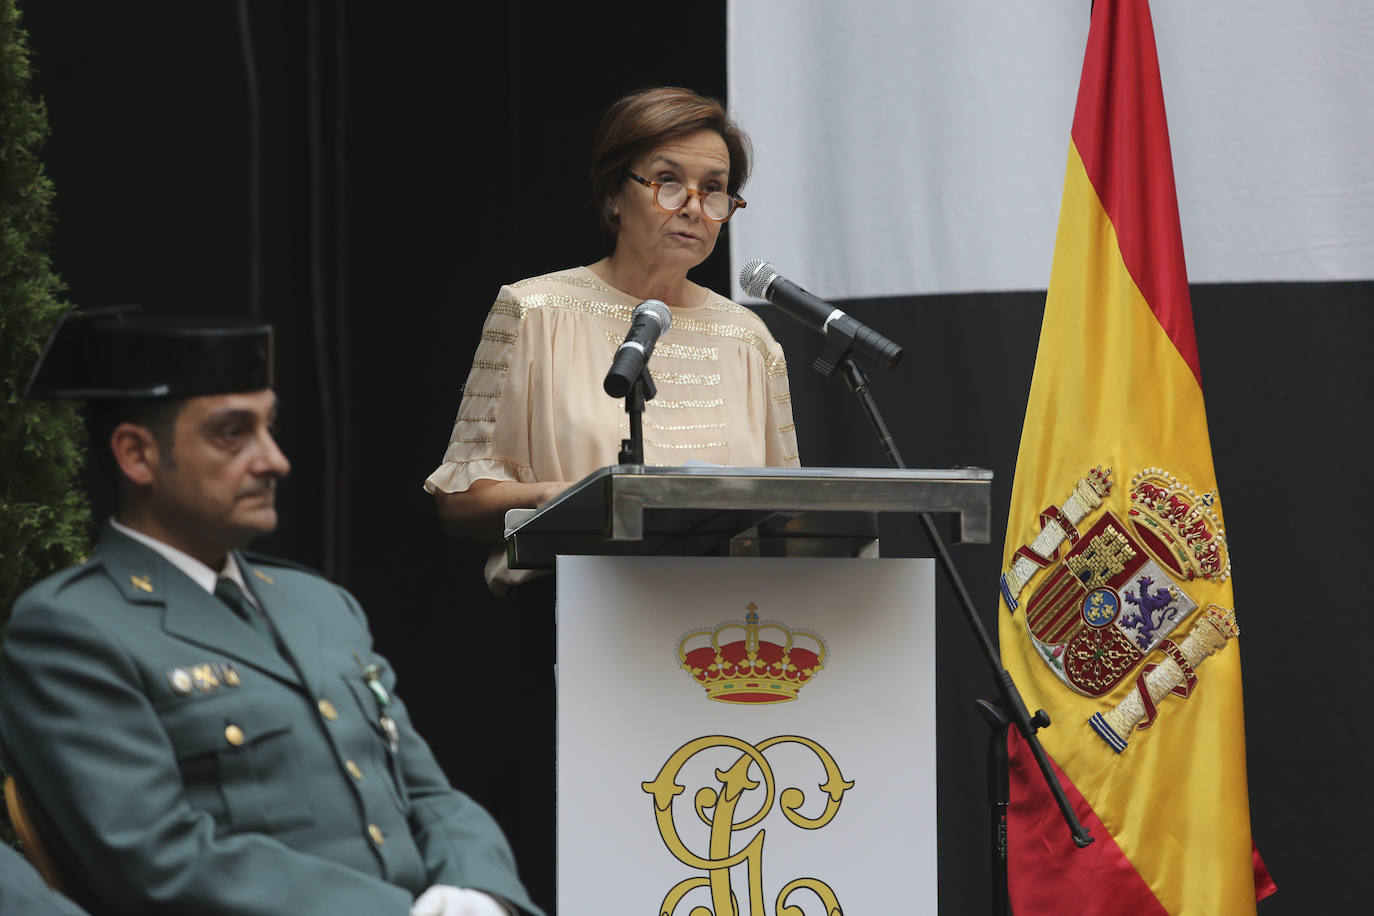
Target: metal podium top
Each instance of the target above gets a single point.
(690, 511)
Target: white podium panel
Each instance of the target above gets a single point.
(762, 729)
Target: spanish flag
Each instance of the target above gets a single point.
(1117, 615)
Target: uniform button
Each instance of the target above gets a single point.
(328, 711)
(376, 833)
(353, 770)
(234, 735)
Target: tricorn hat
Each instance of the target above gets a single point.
(116, 353)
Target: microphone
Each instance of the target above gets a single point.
(762, 281)
(648, 322)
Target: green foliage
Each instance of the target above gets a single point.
(44, 516)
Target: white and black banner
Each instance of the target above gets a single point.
(916, 148)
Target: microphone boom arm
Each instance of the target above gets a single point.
(836, 357)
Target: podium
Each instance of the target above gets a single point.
(746, 692)
(716, 511)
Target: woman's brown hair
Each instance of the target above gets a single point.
(647, 119)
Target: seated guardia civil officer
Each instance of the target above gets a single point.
(197, 729)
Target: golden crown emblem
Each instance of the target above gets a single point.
(1179, 525)
(748, 669)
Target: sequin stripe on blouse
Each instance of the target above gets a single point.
(678, 446)
(687, 378)
(566, 280)
(774, 363)
(480, 405)
(574, 304)
(475, 418)
(673, 350)
(721, 304)
(675, 427)
(685, 445)
(669, 404)
(786, 429)
(683, 351)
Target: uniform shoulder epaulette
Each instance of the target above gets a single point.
(87, 566)
(63, 578)
(262, 559)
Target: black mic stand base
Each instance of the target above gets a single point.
(999, 800)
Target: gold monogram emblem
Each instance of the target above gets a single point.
(718, 809)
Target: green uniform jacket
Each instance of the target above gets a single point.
(178, 763)
(23, 893)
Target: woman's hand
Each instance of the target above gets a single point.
(551, 489)
(480, 511)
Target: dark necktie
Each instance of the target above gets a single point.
(229, 591)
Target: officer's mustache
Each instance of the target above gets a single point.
(266, 487)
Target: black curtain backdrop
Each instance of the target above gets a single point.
(366, 176)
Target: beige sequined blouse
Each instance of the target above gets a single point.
(533, 407)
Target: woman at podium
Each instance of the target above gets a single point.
(667, 168)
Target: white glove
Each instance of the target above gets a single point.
(443, 900)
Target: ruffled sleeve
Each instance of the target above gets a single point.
(490, 439)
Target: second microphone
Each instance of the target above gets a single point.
(762, 280)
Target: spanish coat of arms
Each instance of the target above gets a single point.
(1097, 612)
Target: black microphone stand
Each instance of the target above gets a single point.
(836, 356)
(632, 449)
